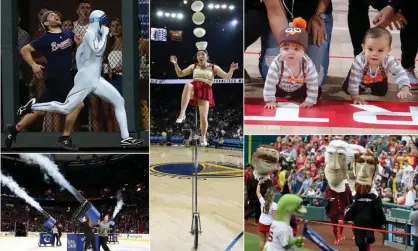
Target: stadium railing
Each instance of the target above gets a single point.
(228, 144)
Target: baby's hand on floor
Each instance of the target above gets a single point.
(271, 105)
(306, 105)
(404, 93)
(358, 100)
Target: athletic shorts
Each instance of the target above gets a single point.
(263, 228)
(57, 88)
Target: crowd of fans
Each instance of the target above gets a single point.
(98, 116)
(304, 159)
(132, 219)
(224, 118)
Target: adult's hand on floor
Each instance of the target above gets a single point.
(384, 17)
(316, 26)
(399, 21)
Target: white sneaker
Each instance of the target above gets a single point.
(181, 120)
(203, 142)
(412, 78)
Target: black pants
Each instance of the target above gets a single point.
(377, 89)
(254, 206)
(363, 238)
(103, 243)
(409, 35)
(358, 20)
(415, 243)
(301, 93)
(358, 24)
(256, 26)
(58, 239)
(90, 240)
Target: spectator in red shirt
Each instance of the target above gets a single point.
(278, 144)
(319, 159)
(313, 170)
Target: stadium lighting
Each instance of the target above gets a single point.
(217, 6)
(231, 7)
(234, 22)
(173, 15)
(223, 6)
(160, 13)
(180, 16)
(167, 14)
(210, 6)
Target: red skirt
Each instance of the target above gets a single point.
(202, 90)
(263, 228)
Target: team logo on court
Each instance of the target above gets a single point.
(205, 170)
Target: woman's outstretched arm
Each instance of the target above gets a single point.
(219, 72)
(181, 73)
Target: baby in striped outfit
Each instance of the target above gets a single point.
(292, 73)
(371, 67)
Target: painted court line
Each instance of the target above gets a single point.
(234, 241)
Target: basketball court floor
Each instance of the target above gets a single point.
(335, 112)
(220, 197)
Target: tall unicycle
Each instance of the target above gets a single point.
(196, 228)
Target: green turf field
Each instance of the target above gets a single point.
(251, 243)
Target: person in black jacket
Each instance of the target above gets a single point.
(59, 234)
(55, 232)
(366, 210)
(90, 238)
(252, 203)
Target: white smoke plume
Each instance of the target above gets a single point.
(16, 189)
(50, 167)
(46, 178)
(119, 205)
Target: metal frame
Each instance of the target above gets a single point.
(195, 212)
(131, 86)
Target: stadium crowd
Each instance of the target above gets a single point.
(302, 162)
(133, 218)
(225, 117)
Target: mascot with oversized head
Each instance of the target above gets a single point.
(351, 151)
(337, 194)
(264, 161)
(366, 210)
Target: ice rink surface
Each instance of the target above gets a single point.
(31, 244)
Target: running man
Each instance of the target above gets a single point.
(56, 45)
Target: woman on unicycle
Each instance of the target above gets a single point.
(199, 92)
